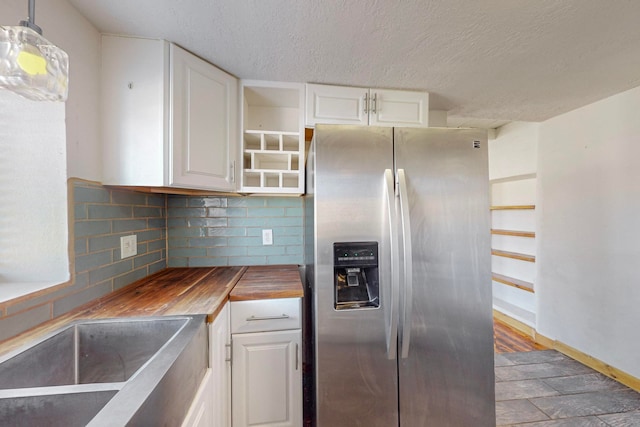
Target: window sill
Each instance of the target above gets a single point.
(13, 290)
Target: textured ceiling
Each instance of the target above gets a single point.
(488, 59)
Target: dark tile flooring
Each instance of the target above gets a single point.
(547, 389)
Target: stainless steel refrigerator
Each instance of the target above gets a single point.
(397, 249)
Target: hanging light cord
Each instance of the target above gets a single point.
(31, 20)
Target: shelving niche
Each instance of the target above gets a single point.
(513, 247)
(273, 137)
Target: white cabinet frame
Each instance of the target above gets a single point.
(364, 106)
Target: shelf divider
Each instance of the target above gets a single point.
(511, 281)
(515, 233)
(513, 255)
(512, 207)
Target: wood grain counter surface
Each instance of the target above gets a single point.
(175, 291)
(200, 290)
(267, 282)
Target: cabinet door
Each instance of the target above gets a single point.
(336, 105)
(204, 120)
(267, 379)
(201, 411)
(399, 108)
(219, 361)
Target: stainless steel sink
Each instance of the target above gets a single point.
(88, 352)
(106, 372)
(59, 409)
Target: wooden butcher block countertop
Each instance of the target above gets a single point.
(267, 282)
(200, 290)
(175, 291)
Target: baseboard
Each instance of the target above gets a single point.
(514, 324)
(590, 361)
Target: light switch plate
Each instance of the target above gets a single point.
(267, 237)
(128, 246)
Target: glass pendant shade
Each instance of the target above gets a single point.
(31, 66)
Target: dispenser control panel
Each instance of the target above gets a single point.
(361, 253)
(355, 280)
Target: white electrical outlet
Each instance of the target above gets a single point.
(128, 246)
(267, 237)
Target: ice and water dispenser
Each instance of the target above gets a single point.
(355, 275)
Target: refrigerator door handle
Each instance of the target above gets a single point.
(392, 321)
(408, 264)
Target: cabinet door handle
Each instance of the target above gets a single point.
(296, 356)
(366, 103)
(232, 171)
(254, 318)
(374, 102)
(229, 353)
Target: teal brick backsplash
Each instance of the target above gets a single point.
(103, 215)
(99, 217)
(217, 231)
(179, 231)
(83, 195)
(91, 228)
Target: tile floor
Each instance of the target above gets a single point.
(547, 389)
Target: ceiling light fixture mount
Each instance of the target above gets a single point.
(30, 65)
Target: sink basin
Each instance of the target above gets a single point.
(134, 371)
(59, 409)
(88, 352)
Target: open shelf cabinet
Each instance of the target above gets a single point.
(272, 138)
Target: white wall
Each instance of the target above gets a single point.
(514, 150)
(66, 28)
(42, 144)
(33, 192)
(589, 230)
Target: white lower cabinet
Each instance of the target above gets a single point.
(220, 363)
(255, 367)
(267, 379)
(267, 364)
(201, 412)
(212, 405)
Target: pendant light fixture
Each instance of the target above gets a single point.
(30, 65)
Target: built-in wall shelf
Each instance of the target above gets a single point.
(511, 281)
(514, 255)
(512, 207)
(515, 233)
(513, 240)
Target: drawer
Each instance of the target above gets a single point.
(265, 315)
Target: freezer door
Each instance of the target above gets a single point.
(446, 374)
(356, 368)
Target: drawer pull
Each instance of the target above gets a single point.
(254, 318)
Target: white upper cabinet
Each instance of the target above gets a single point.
(204, 118)
(272, 137)
(363, 106)
(169, 118)
(336, 105)
(398, 108)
